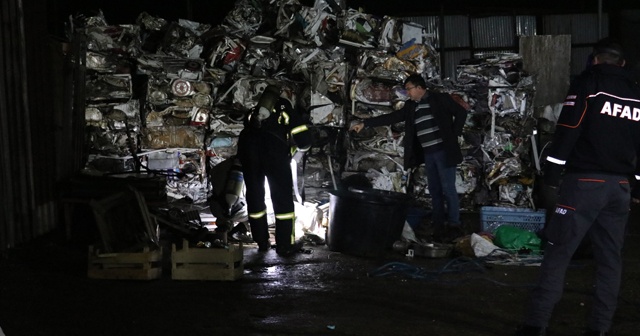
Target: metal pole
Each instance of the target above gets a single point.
(599, 19)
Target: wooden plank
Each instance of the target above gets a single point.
(145, 265)
(206, 264)
(125, 274)
(123, 221)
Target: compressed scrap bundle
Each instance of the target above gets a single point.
(112, 117)
(500, 127)
(170, 97)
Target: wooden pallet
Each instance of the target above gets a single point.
(206, 263)
(145, 265)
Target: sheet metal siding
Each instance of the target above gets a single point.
(456, 32)
(41, 103)
(452, 59)
(579, 57)
(501, 33)
(526, 26)
(493, 32)
(583, 28)
(6, 98)
(13, 124)
(28, 202)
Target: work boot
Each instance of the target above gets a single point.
(286, 251)
(591, 332)
(264, 247)
(260, 233)
(527, 330)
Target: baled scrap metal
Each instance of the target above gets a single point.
(111, 134)
(108, 87)
(500, 95)
(360, 29)
(260, 59)
(301, 58)
(328, 93)
(517, 194)
(125, 39)
(378, 89)
(375, 92)
(190, 187)
(225, 52)
(221, 147)
(363, 161)
(101, 61)
(226, 120)
(320, 89)
(364, 111)
(508, 87)
(245, 18)
(383, 179)
(98, 164)
(110, 143)
(382, 65)
(172, 137)
(185, 170)
(180, 42)
(114, 116)
(309, 25)
(245, 92)
(150, 22)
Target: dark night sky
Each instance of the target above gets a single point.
(213, 11)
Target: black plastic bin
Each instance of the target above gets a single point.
(365, 222)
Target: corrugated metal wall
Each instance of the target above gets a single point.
(584, 31)
(465, 36)
(493, 32)
(31, 107)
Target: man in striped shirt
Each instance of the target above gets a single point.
(433, 122)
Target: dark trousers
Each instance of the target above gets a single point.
(588, 204)
(265, 156)
(441, 182)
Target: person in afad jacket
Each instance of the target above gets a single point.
(593, 161)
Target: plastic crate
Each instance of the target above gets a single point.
(524, 218)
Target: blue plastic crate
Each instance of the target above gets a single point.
(527, 219)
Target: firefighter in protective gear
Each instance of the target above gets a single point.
(272, 129)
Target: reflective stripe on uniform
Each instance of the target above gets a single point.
(257, 215)
(299, 129)
(556, 161)
(289, 215)
(283, 119)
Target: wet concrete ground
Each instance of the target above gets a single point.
(44, 290)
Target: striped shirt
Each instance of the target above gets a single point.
(427, 130)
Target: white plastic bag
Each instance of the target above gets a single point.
(483, 247)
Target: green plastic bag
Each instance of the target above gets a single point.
(514, 238)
